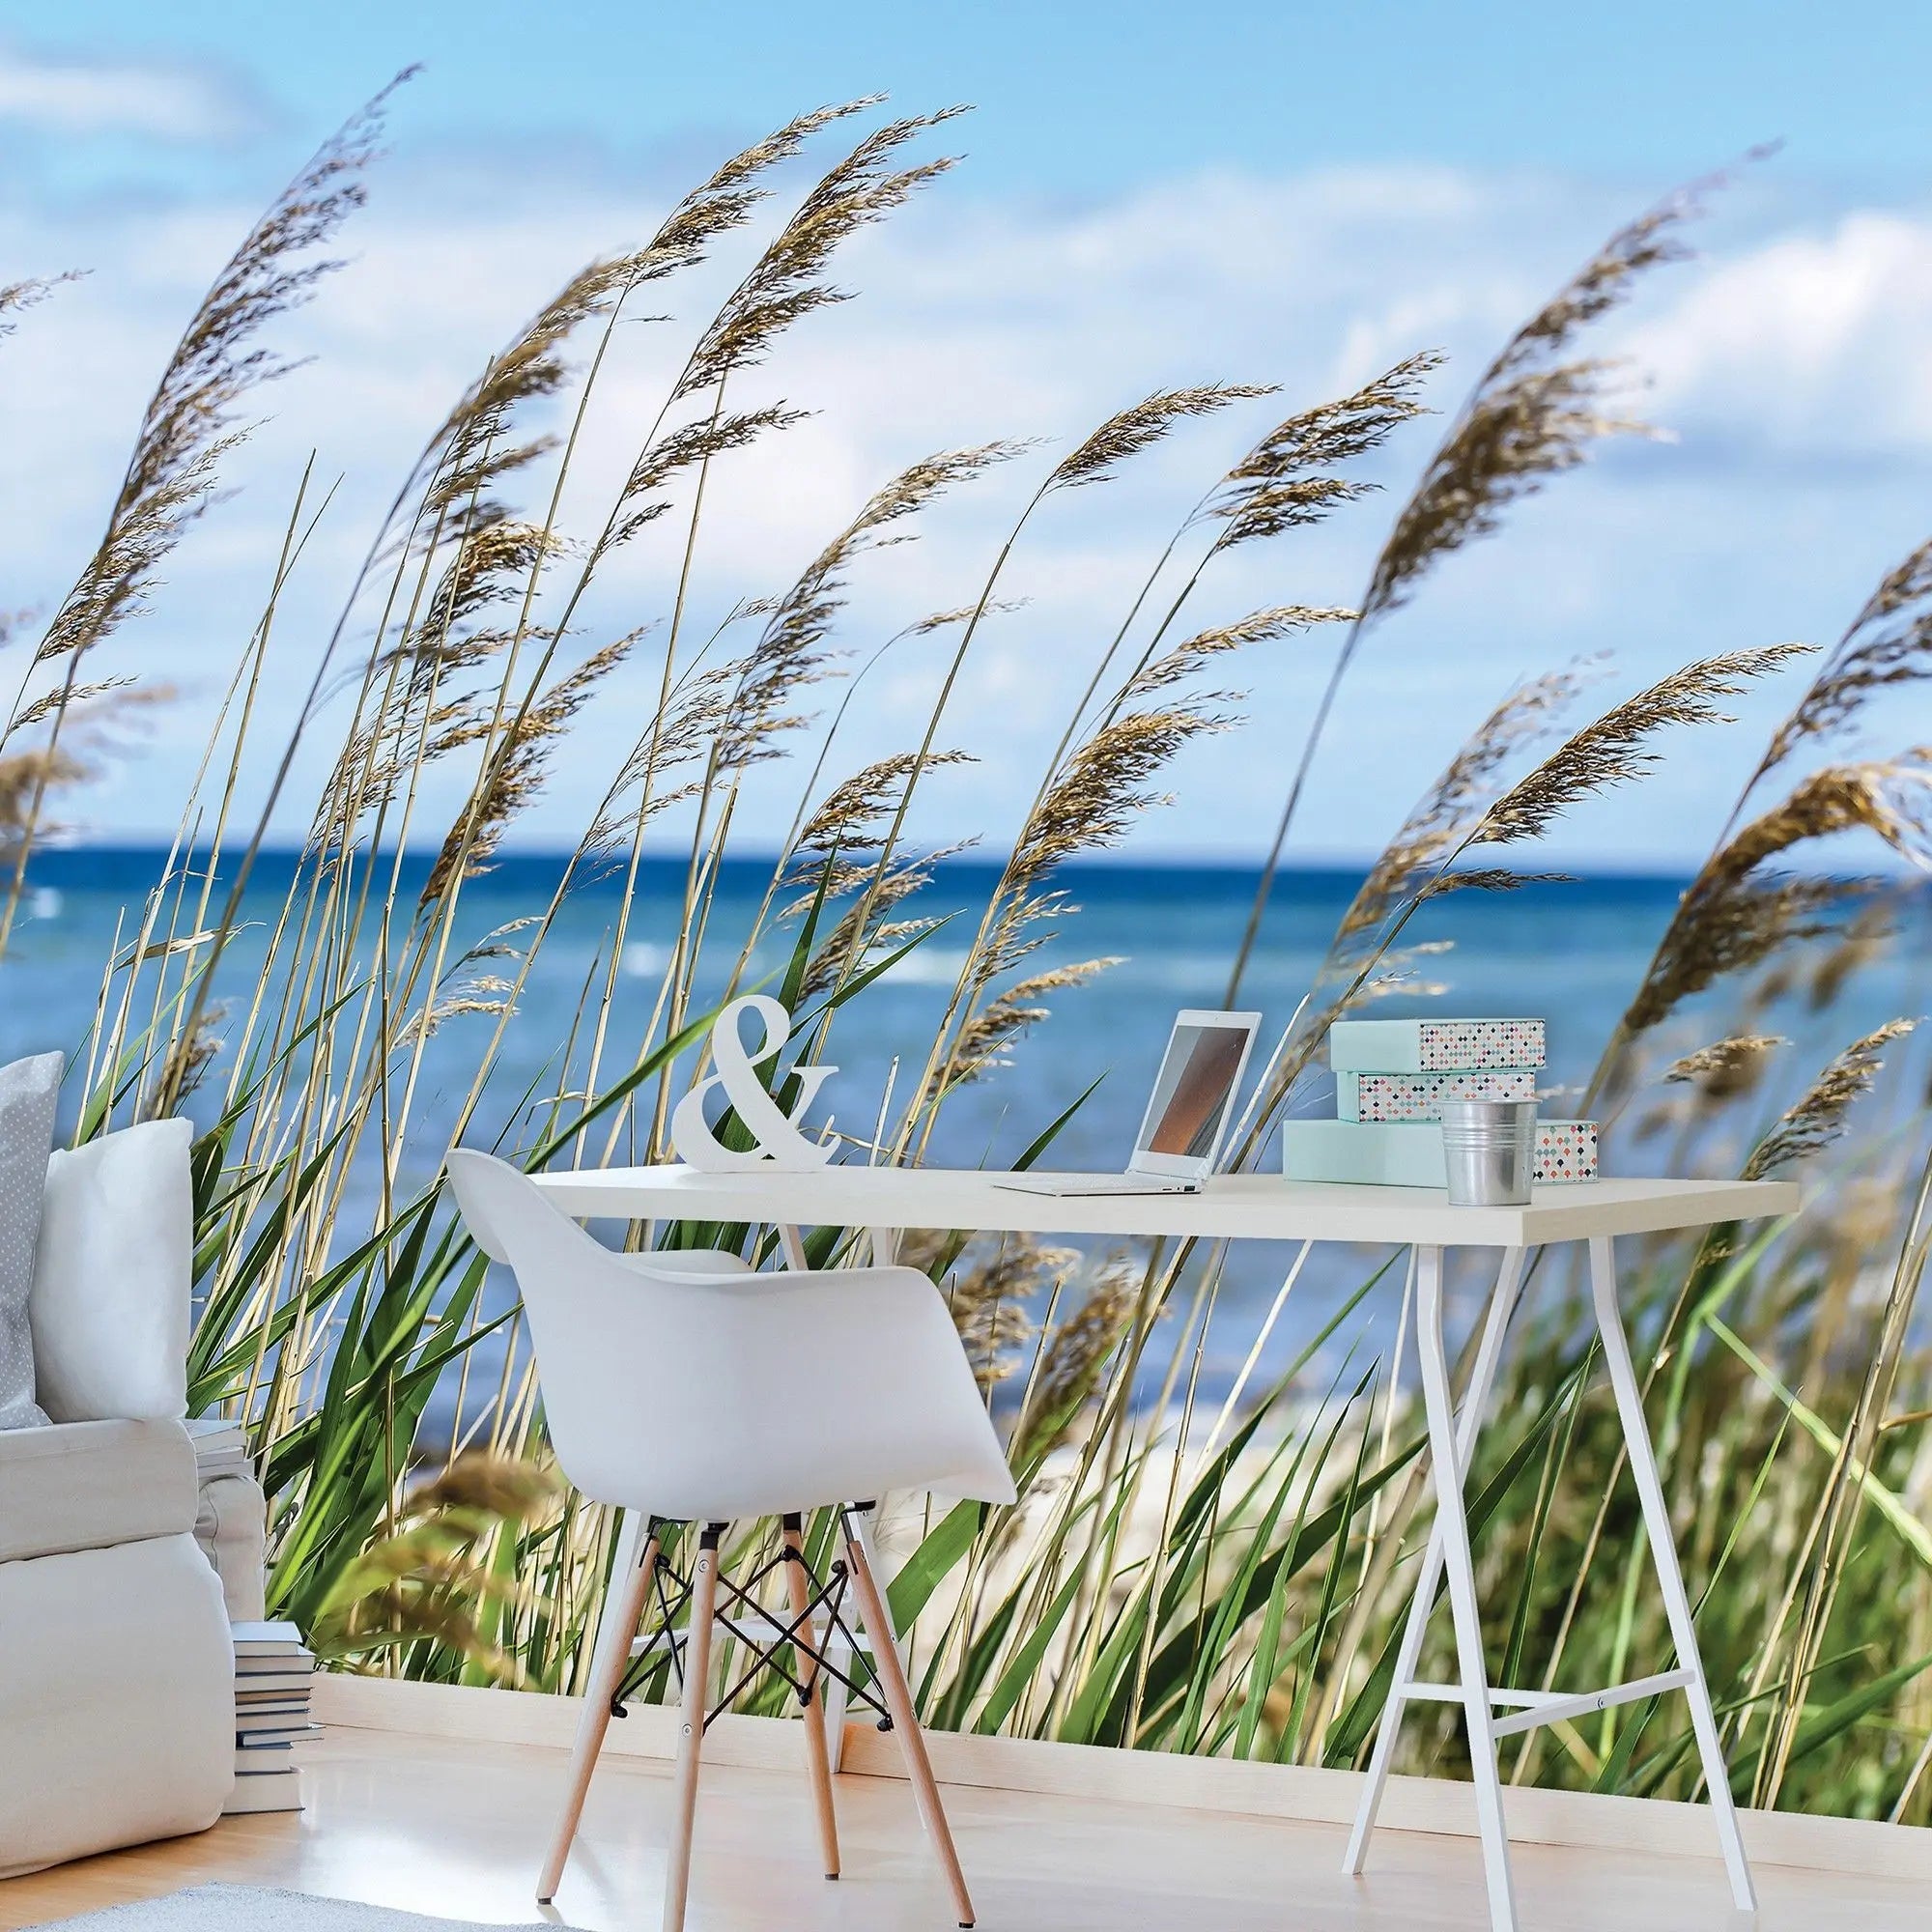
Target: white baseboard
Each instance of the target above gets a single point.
(1144, 1777)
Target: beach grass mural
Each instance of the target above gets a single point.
(1201, 1561)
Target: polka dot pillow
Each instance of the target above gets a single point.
(27, 1092)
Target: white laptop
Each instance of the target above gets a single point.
(1186, 1116)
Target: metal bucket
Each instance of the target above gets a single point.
(1489, 1148)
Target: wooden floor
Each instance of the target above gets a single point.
(445, 1828)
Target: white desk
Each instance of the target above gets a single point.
(1235, 1206)
(1269, 1208)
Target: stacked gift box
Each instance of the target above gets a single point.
(1392, 1078)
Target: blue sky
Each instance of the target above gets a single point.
(1089, 96)
(1151, 195)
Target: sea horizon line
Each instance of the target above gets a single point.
(65, 852)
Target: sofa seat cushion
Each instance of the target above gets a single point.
(70, 1486)
(116, 1700)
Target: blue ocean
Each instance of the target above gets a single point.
(1571, 951)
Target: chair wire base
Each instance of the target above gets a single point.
(786, 1645)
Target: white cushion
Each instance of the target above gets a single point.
(91, 1485)
(113, 1277)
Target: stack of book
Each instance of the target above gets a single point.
(220, 1448)
(274, 1673)
(1391, 1080)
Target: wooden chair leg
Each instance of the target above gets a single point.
(905, 1720)
(832, 1699)
(814, 1714)
(690, 1725)
(631, 1574)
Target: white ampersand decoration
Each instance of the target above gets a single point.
(778, 1142)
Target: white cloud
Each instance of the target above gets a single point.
(981, 319)
(1811, 344)
(62, 95)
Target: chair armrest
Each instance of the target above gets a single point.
(91, 1485)
(706, 1265)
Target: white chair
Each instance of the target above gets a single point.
(702, 1394)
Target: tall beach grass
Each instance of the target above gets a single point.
(1180, 1574)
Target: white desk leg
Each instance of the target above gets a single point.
(1663, 1554)
(1463, 1609)
(1489, 1351)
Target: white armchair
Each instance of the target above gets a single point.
(117, 1711)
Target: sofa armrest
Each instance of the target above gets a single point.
(233, 1532)
(92, 1485)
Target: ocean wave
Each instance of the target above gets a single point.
(926, 966)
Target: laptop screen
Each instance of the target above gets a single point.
(1195, 1091)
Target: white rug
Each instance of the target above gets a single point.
(250, 1907)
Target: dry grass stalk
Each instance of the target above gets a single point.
(1442, 824)
(1284, 482)
(1737, 912)
(27, 779)
(1288, 480)
(532, 366)
(847, 818)
(1124, 436)
(1834, 1526)
(1817, 1118)
(1529, 418)
(1259, 627)
(189, 419)
(1864, 941)
(15, 297)
(985, 1038)
(1530, 415)
(865, 927)
(1074, 1359)
(988, 1300)
(34, 773)
(785, 285)
(514, 779)
(1096, 457)
(476, 446)
(1464, 811)
(1727, 1067)
(1105, 787)
(685, 449)
(1888, 643)
(189, 422)
(1615, 750)
(791, 649)
(1091, 806)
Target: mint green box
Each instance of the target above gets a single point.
(1378, 1153)
(1433, 1045)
